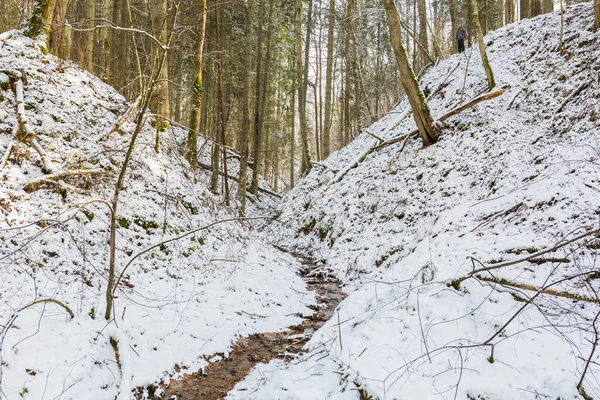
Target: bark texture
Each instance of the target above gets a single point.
(416, 98)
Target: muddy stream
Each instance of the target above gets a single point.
(220, 377)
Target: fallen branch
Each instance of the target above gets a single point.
(30, 135)
(456, 283)
(571, 96)
(442, 85)
(451, 113)
(376, 147)
(49, 300)
(6, 155)
(126, 115)
(120, 345)
(566, 295)
(56, 179)
(368, 132)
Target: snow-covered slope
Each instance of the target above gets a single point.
(179, 302)
(509, 178)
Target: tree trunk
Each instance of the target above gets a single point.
(222, 120)
(41, 19)
(293, 124)
(162, 107)
(301, 84)
(58, 37)
(328, 80)
(87, 46)
(416, 98)
(596, 15)
(454, 22)
(524, 11)
(245, 131)
(510, 11)
(197, 91)
(484, 58)
(259, 100)
(422, 8)
(500, 14)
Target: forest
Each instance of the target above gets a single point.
(298, 199)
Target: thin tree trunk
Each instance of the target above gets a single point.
(454, 23)
(596, 15)
(524, 12)
(293, 127)
(484, 58)
(222, 118)
(301, 84)
(422, 8)
(87, 48)
(245, 131)
(162, 107)
(197, 91)
(500, 14)
(416, 98)
(58, 37)
(259, 100)
(328, 80)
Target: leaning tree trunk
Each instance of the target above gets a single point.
(484, 58)
(416, 98)
(197, 91)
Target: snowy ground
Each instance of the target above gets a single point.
(509, 178)
(182, 301)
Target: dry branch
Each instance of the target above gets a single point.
(552, 292)
(49, 300)
(571, 96)
(30, 135)
(56, 179)
(456, 283)
(377, 147)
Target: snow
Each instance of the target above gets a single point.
(508, 177)
(179, 304)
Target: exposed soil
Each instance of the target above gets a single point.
(220, 377)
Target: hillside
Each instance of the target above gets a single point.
(179, 302)
(510, 178)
